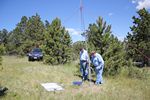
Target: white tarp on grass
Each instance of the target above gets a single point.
(52, 86)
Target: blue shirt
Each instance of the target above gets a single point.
(97, 60)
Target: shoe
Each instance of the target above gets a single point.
(83, 79)
(97, 83)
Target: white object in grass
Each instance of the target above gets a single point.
(52, 86)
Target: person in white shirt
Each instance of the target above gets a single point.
(84, 61)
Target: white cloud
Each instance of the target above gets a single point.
(134, 1)
(110, 14)
(73, 31)
(121, 38)
(142, 4)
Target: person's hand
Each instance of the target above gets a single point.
(90, 61)
(87, 62)
(98, 68)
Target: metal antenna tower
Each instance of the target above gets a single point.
(83, 29)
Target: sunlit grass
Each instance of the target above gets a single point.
(23, 80)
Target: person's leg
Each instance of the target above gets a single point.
(81, 69)
(97, 76)
(86, 71)
(100, 76)
(101, 72)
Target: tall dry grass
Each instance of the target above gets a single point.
(23, 80)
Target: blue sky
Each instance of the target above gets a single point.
(117, 13)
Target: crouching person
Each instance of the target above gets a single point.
(98, 63)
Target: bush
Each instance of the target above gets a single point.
(134, 72)
(0, 60)
(2, 49)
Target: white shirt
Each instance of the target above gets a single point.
(84, 55)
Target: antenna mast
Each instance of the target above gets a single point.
(83, 34)
(82, 18)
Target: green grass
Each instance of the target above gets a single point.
(23, 80)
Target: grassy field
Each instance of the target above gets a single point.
(23, 80)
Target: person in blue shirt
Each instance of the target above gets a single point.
(98, 62)
(84, 61)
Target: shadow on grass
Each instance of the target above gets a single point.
(84, 80)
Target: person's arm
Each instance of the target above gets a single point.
(95, 62)
(100, 59)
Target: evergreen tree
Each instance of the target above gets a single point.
(34, 32)
(17, 37)
(138, 42)
(57, 45)
(102, 41)
(3, 41)
(27, 34)
(98, 35)
(114, 56)
(3, 36)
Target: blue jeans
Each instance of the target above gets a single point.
(99, 72)
(84, 70)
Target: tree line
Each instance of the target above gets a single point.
(58, 48)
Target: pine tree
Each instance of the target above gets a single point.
(98, 35)
(138, 42)
(27, 34)
(3, 41)
(34, 33)
(114, 56)
(3, 36)
(57, 45)
(102, 41)
(17, 37)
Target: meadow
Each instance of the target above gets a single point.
(23, 79)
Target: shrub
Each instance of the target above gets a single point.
(2, 49)
(134, 72)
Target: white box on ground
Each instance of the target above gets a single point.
(52, 86)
